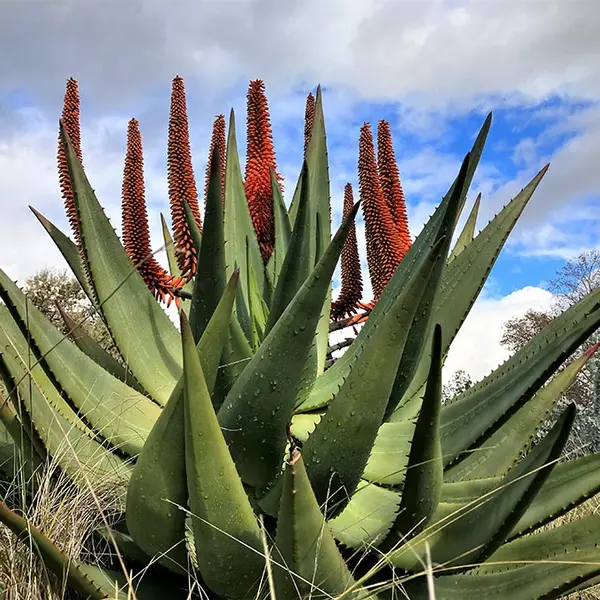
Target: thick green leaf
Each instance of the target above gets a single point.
(226, 533)
(389, 457)
(29, 458)
(119, 413)
(421, 330)
(437, 226)
(70, 253)
(237, 354)
(462, 534)
(307, 560)
(158, 484)
(210, 281)
(546, 565)
(195, 232)
(304, 424)
(463, 492)
(367, 518)
(468, 232)
(79, 452)
(260, 404)
(283, 231)
(337, 452)
(425, 472)
(298, 264)
(484, 407)
(569, 484)
(259, 311)
(463, 279)
(239, 230)
(96, 352)
(147, 585)
(144, 334)
(496, 454)
(319, 201)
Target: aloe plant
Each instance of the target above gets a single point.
(254, 460)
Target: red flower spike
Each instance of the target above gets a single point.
(309, 119)
(182, 184)
(218, 140)
(136, 233)
(383, 241)
(352, 285)
(70, 120)
(260, 156)
(389, 177)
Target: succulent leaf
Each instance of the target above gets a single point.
(158, 484)
(53, 558)
(283, 231)
(483, 408)
(121, 414)
(468, 231)
(210, 282)
(96, 352)
(70, 253)
(133, 316)
(464, 278)
(546, 565)
(239, 230)
(308, 562)
(225, 529)
(260, 404)
(422, 487)
(460, 535)
(497, 453)
(337, 452)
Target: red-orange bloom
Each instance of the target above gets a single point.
(260, 156)
(136, 233)
(352, 285)
(218, 140)
(70, 120)
(182, 184)
(389, 177)
(383, 242)
(309, 119)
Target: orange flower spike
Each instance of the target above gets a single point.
(182, 184)
(260, 156)
(352, 285)
(389, 176)
(383, 243)
(218, 140)
(136, 233)
(309, 119)
(70, 120)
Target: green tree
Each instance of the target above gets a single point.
(460, 382)
(572, 282)
(51, 287)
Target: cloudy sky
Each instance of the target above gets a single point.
(433, 68)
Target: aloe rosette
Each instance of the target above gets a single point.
(253, 461)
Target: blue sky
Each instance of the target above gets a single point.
(432, 68)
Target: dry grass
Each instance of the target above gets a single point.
(591, 506)
(67, 516)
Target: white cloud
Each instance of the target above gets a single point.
(436, 52)
(431, 59)
(477, 348)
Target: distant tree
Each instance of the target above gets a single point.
(460, 382)
(577, 278)
(49, 287)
